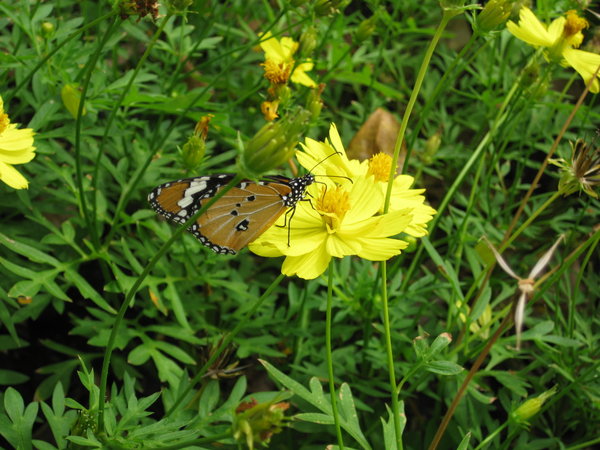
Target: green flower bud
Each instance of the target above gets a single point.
(494, 14)
(71, 96)
(314, 103)
(193, 151)
(308, 42)
(274, 144)
(531, 407)
(327, 7)
(431, 147)
(47, 29)
(366, 28)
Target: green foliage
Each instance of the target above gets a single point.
(113, 336)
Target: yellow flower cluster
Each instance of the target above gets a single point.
(16, 147)
(345, 213)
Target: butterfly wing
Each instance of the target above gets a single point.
(233, 221)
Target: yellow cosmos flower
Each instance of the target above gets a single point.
(561, 39)
(279, 62)
(330, 159)
(16, 147)
(339, 221)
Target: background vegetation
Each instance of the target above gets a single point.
(74, 245)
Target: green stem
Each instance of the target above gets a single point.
(336, 419)
(89, 217)
(411, 103)
(491, 436)
(114, 111)
(225, 343)
(134, 288)
(530, 219)
(390, 357)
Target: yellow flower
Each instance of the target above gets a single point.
(344, 215)
(16, 147)
(279, 62)
(329, 158)
(561, 40)
(341, 221)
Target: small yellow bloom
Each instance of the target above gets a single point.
(319, 155)
(561, 39)
(16, 147)
(269, 110)
(279, 62)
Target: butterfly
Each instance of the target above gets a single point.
(236, 219)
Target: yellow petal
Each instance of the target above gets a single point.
(307, 266)
(288, 48)
(586, 64)
(14, 139)
(299, 75)
(556, 28)
(366, 199)
(530, 29)
(12, 177)
(381, 249)
(272, 48)
(339, 248)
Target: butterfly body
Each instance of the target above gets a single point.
(237, 218)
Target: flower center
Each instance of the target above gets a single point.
(277, 73)
(4, 121)
(379, 166)
(573, 27)
(333, 204)
(574, 24)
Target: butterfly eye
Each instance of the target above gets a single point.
(237, 218)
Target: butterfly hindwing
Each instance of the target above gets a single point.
(237, 218)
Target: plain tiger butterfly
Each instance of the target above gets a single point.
(236, 219)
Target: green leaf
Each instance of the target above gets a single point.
(87, 291)
(321, 419)
(464, 443)
(440, 343)
(175, 352)
(8, 377)
(443, 367)
(139, 355)
(31, 253)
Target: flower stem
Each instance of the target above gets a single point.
(113, 115)
(390, 357)
(91, 64)
(136, 285)
(411, 103)
(336, 419)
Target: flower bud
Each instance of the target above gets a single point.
(47, 29)
(365, 29)
(273, 144)
(431, 147)
(494, 14)
(308, 42)
(193, 151)
(314, 103)
(255, 423)
(531, 407)
(71, 97)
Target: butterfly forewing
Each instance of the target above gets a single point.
(237, 218)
